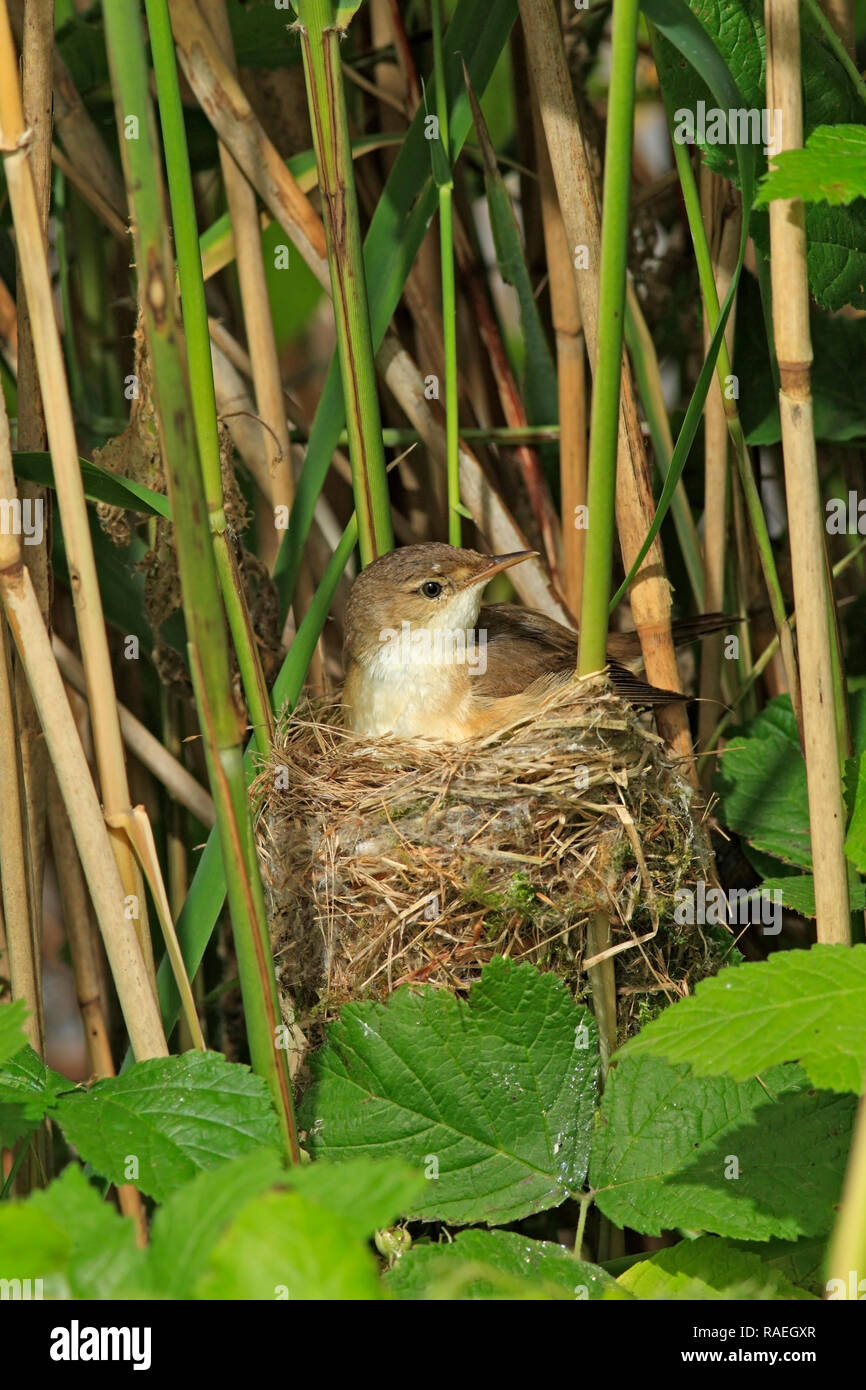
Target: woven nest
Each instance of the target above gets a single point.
(391, 862)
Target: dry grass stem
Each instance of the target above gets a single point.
(805, 511)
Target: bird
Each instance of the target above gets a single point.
(426, 659)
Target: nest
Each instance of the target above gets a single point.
(389, 862)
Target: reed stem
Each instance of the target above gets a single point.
(805, 513)
(604, 417)
(445, 182)
(320, 45)
(207, 642)
(195, 324)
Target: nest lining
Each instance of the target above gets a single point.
(390, 862)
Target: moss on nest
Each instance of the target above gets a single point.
(390, 862)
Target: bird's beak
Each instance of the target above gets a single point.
(496, 564)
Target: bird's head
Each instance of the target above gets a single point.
(427, 586)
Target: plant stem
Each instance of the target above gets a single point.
(723, 235)
(570, 371)
(449, 296)
(320, 44)
(22, 954)
(200, 371)
(805, 514)
(585, 1201)
(604, 435)
(604, 417)
(208, 646)
(107, 891)
(37, 46)
(848, 1243)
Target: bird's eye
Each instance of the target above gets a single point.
(431, 589)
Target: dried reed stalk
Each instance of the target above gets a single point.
(21, 943)
(67, 475)
(794, 353)
(36, 78)
(107, 891)
(177, 781)
(570, 373)
(258, 323)
(85, 967)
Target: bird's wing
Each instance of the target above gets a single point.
(524, 646)
(521, 645)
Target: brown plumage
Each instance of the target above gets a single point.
(411, 607)
(523, 644)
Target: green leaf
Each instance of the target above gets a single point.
(800, 1261)
(798, 893)
(12, 1037)
(708, 1269)
(493, 1097)
(762, 786)
(836, 236)
(836, 254)
(174, 1116)
(736, 28)
(497, 1265)
(855, 841)
(670, 1143)
(32, 1244)
(282, 1246)
(100, 484)
(439, 165)
(830, 168)
(262, 35)
(838, 374)
(28, 1090)
(192, 1219)
(346, 9)
(762, 789)
(365, 1193)
(808, 1006)
(103, 1259)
